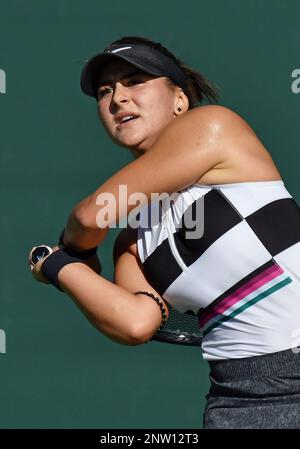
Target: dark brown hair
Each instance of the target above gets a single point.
(199, 87)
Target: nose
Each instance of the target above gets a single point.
(121, 93)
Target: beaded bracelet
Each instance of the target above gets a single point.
(161, 305)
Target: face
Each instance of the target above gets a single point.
(122, 87)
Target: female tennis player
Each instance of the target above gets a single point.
(240, 275)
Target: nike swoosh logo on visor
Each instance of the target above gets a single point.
(119, 49)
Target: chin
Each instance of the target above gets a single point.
(132, 142)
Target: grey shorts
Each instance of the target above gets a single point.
(261, 392)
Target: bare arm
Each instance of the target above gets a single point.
(112, 307)
(113, 310)
(190, 146)
(129, 275)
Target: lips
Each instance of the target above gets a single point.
(127, 123)
(123, 114)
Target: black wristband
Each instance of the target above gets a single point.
(54, 263)
(83, 255)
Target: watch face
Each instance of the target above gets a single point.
(39, 252)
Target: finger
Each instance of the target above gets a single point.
(38, 276)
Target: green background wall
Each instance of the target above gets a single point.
(58, 371)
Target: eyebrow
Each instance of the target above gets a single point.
(101, 83)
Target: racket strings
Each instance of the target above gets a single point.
(180, 328)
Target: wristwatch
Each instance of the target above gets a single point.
(39, 252)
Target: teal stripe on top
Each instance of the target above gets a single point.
(250, 303)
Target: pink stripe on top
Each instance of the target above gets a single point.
(245, 290)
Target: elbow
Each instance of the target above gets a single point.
(133, 342)
(84, 213)
(133, 338)
(89, 217)
(141, 335)
(128, 339)
(81, 216)
(140, 340)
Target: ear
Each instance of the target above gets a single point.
(181, 103)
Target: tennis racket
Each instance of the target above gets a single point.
(180, 328)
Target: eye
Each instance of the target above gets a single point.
(102, 92)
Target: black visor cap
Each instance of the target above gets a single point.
(141, 56)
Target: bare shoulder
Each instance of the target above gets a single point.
(215, 114)
(227, 126)
(200, 126)
(245, 158)
(212, 124)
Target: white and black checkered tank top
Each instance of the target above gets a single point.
(229, 253)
